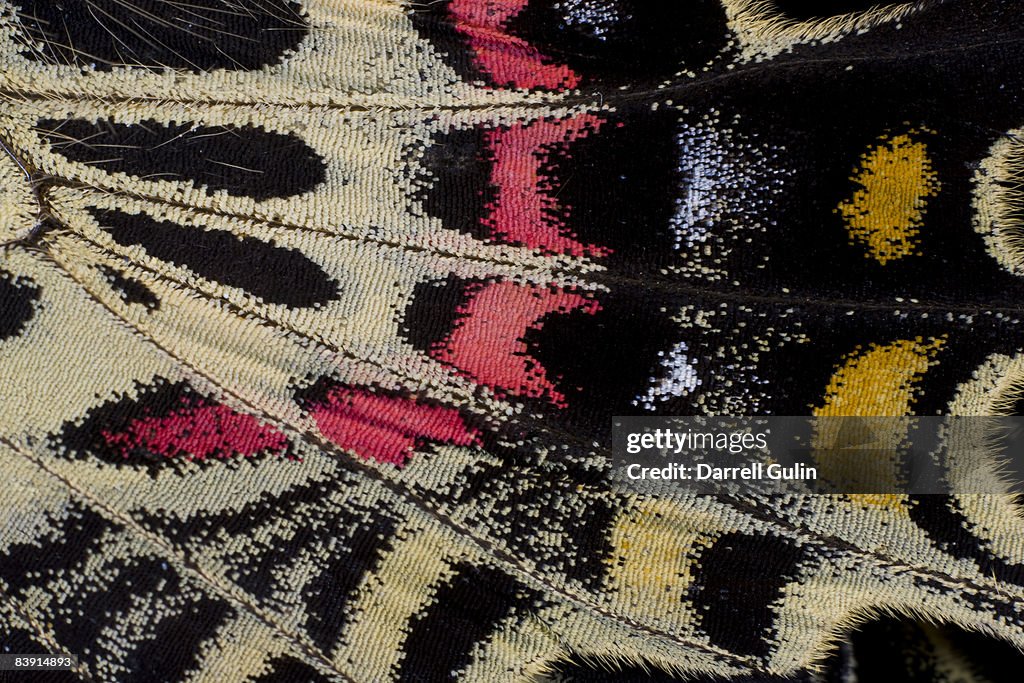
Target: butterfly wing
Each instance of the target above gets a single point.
(314, 315)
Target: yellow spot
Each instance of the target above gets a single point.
(651, 567)
(879, 381)
(886, 214)
(876, 382)
(887, 501)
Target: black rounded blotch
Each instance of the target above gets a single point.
(432, 313)
(132, 291)
(274, 274)
(198, 35)
(739, 579)
(18, 299)
(244, 161)
(468, 608)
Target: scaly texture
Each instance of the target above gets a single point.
(314, 313)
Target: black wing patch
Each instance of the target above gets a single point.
(199, 35)
(244, 161)
(740, 576)
(17, 304)
(274, 274)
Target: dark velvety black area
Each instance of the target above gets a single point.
(618, 186)
(619, 39)
(243, 161)
(179, 638)
(329, 594)
(23, 566)
(601, 361)
(466, 609)
(197, 35)
(890, 649)
(434, 309)
(1018, 407)
(739, 578)
(991, 659)
(274, 274)
(20, 641)
(18, 298)
(899, 650)
(458, 170)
